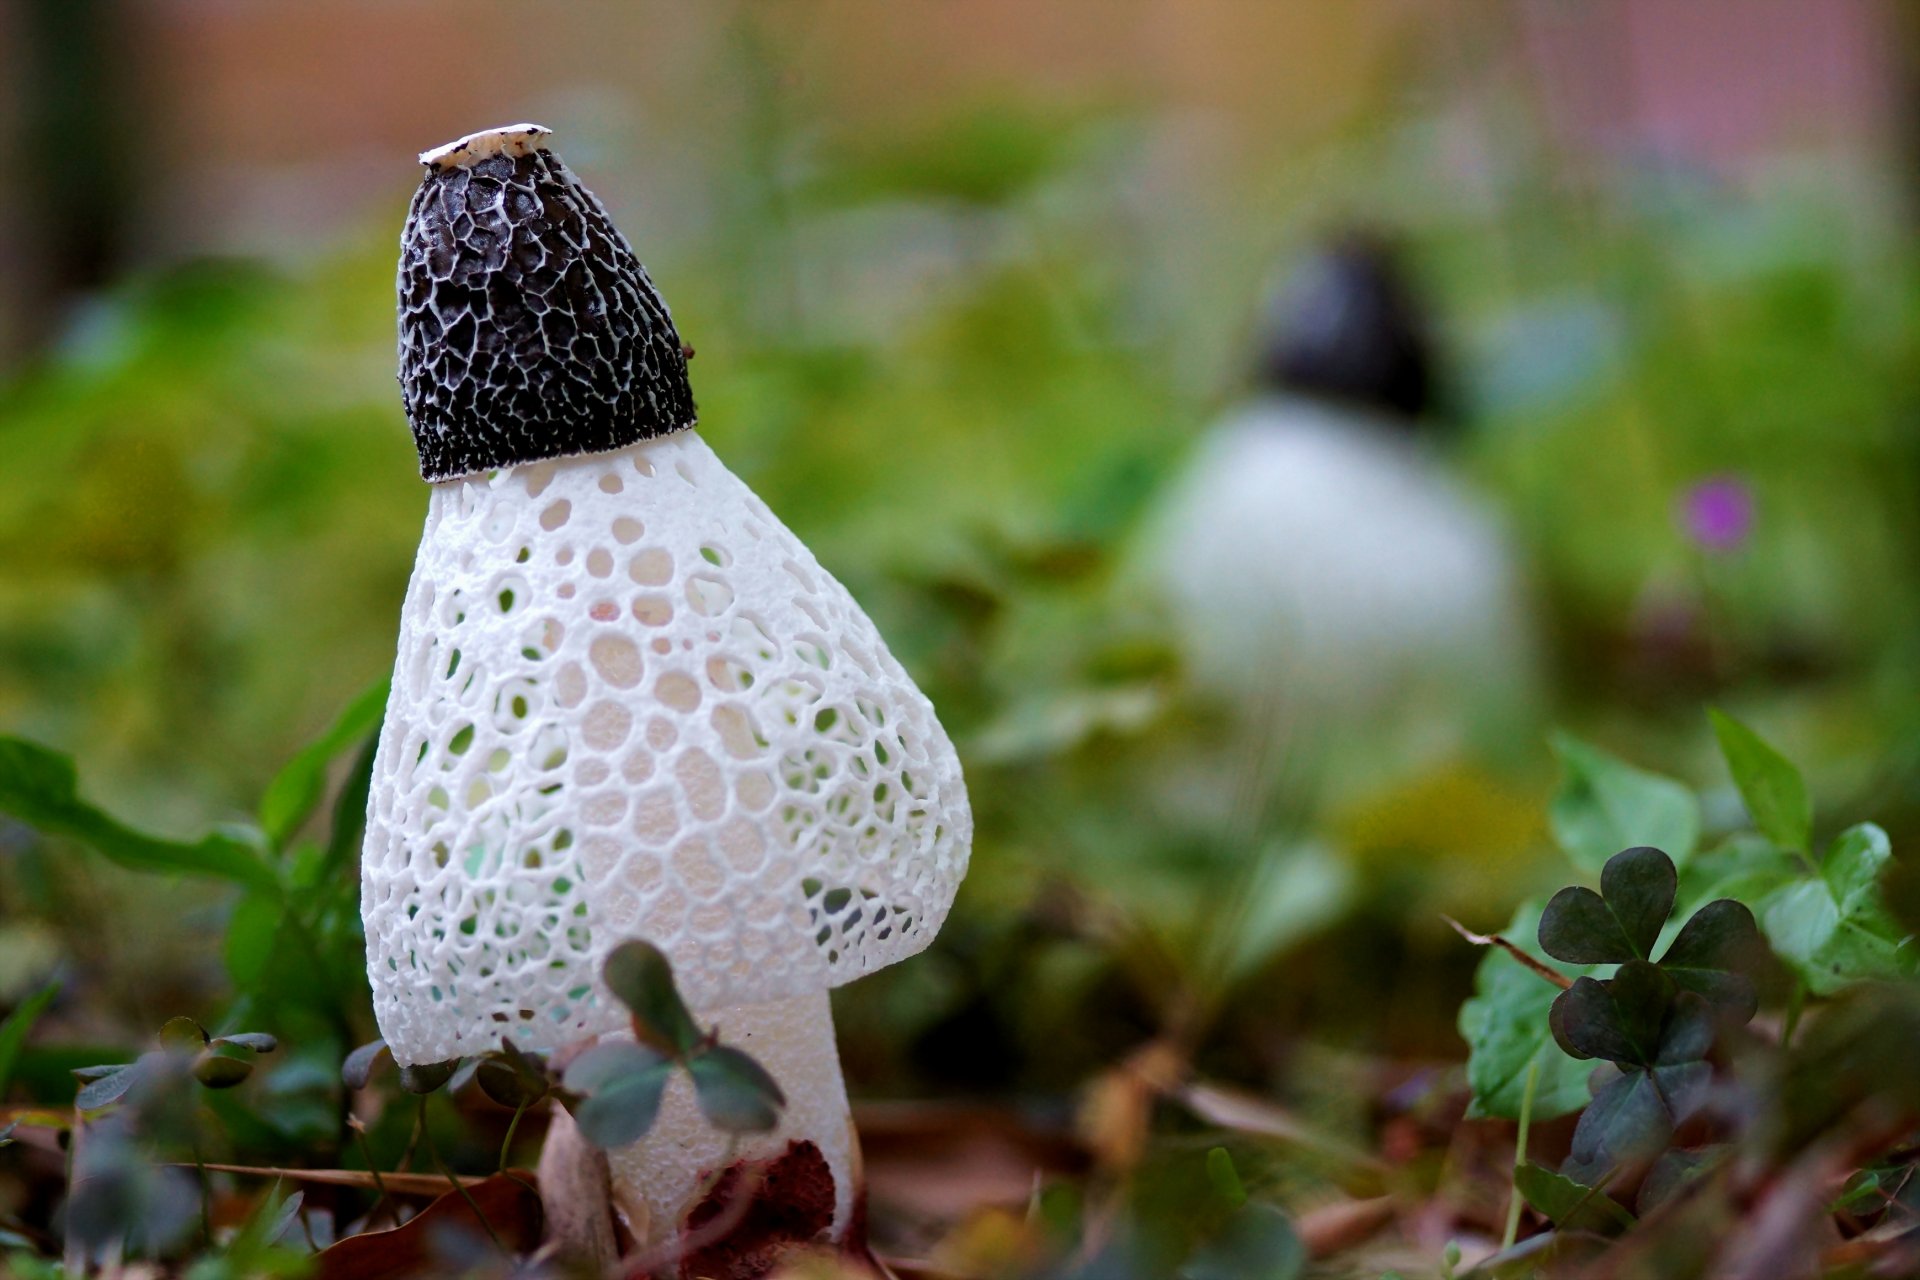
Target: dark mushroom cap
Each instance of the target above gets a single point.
(528, 328)
(1348, 326)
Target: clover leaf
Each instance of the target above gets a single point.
(1632, 1118)
(736, 1094)
(1621, 922)
(622, 1084)
(1654, 1020)
(640, 976)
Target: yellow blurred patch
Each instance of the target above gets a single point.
(1458, 825)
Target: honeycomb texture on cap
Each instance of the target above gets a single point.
(629, 703)
(528, 328)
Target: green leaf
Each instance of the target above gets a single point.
(1224, 1177)
(252, 932)
(1775, 793)
(641, 978)
(1293, 890)
(296, 790)
(1854, 865)
(736, 1094)
(1835, 930)
(1605, 805)
(1257, 1243)
(1713, 955)
(1505, 1026)
(1621, 922)
(41, 789)
(622, 1084)
(18, 1026)
(1570, 1204)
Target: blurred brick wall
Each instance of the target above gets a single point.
(276, 127)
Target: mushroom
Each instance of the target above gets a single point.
(628, 702)
(1324, 570)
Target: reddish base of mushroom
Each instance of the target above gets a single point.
(788, 1204)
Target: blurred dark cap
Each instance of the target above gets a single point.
(1347, 325)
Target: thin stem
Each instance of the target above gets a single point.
(1520, 1156)
(433, 1153)
(1558, 979)
(1796, 1001)
(379, 1184)
(506, 1147)
(206, 1191)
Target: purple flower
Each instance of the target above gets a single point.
(1717, 513)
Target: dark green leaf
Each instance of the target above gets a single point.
(1605, 805)
(223, 1070)
(426, 1077)
(1257, 1243)
(1673, 1171)
(1570, 1204)
(1619, 1019)
(736, 1094)
(349, 818)
(623, 1083)
(640, 977)
(358, 1068)
(295, 791)
(1687, 1035)
(1621, 922)
(1577, 927)
(1633, 1118)
(18, 1026)
(40, 788)
(1775, 793)
(1638, 885)
(1714, 954)
(1505, 1025)
(512, 1078)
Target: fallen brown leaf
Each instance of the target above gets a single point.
(507, 1200)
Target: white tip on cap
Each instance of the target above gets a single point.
(507, 140)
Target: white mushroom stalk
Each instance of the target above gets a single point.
(628, 702)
